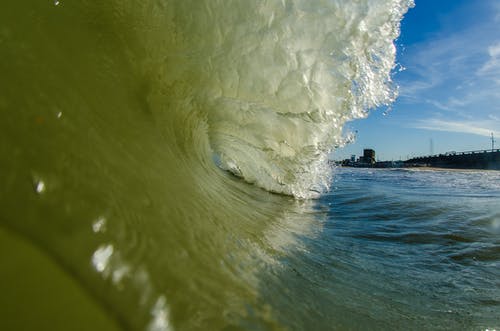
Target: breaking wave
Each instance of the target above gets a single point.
(118, 116)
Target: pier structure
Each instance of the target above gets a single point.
(482, 159)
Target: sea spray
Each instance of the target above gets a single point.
(288, 78)
(275, 80)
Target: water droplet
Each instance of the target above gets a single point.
(99, 225)
(39, 186)
(101, 257)
(160, 313)
(59, 114)
(387, 111)
(119, 273)
(56, 2)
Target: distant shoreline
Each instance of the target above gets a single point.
(448, 169)
(422, 168)
(470, 160)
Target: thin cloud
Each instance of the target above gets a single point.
(497, 8)
(477, 128)
(455, 71)
(492, 67)
(494, 118)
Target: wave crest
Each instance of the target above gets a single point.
(275, 80)
(282, 78)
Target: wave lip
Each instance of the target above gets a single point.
(280, 79)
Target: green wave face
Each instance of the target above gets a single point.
(123, 124)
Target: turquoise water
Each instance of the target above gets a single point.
(164, 167)
(411, 249)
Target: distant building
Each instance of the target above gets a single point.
(368, 160)
(368, 157)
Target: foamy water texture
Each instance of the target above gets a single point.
(116, 120)
(273, 81)
(280, 79)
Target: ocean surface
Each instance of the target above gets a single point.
(412, 248)
(164, 166)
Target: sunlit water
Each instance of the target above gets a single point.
(139, 146)
(412, 248)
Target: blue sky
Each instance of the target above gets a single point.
(449, 92)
